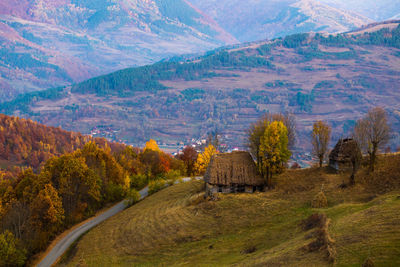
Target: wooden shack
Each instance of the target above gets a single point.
(341, 156)
(231, 173)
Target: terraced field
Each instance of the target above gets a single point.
(177, 227)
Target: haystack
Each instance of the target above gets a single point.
(341, 156)
(233, 172)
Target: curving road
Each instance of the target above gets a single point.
(61, 247)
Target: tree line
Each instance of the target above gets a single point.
(270, 139)
(79, 177)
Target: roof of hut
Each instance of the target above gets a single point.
(233, 168)
(344, 150)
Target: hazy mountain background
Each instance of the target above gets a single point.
(46, 43)
(378, 10)
(257, 19)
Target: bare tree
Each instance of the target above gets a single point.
(372, 133)
(320, 137)
(355, 156)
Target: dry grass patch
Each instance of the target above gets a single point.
(178, 227)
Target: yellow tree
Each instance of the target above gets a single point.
(320, 137)
(152, 145)
(47, 209)
(47, 216)
(204, 159)
(273, 152)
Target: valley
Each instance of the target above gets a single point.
(332, 78)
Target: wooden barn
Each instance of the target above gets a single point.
(231, 173)
(341, 156)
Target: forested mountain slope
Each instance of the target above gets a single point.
(27, 143)
(336, 78)
(46, 43)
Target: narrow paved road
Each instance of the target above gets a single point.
(61, 247)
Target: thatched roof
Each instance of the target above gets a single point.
(237, 168)
(344, 150)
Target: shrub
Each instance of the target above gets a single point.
(10, 254)
(172, 176)
(156, 185)
(132, 197)
(114, 192)
(319, 201)
(138, 181)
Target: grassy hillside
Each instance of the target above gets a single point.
(335, 78)
(176, 227)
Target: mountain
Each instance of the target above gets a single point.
(376, 10)
(46, 43)
(335, 78)
(256, 20)
(30, 144)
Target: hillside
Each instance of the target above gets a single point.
(376, 10)
(46, 43)
(27, 143)
(333, 78)
(178, 227)
(257, 20)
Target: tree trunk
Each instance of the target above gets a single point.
(372, 158)
(352, 179)
(321, 160)
(353, 171)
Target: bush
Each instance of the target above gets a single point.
(138, 181)
(320, 201)
(114, 192)
(133, 196)
(10, 254)
(172, 176)
(156, 185)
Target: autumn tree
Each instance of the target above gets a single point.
(10, 252)
(258, 128)
(372, 133)
(78, 186)
(47, 210)
(189, 157)
(320, 137)
(114, 180)
(273, 151)
(151, 145)
(204, 159)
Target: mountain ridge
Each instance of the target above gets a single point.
(336, 78)
(46, 44)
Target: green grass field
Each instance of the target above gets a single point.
(176, 227)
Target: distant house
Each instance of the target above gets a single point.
(341, 156)
(231, 173)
